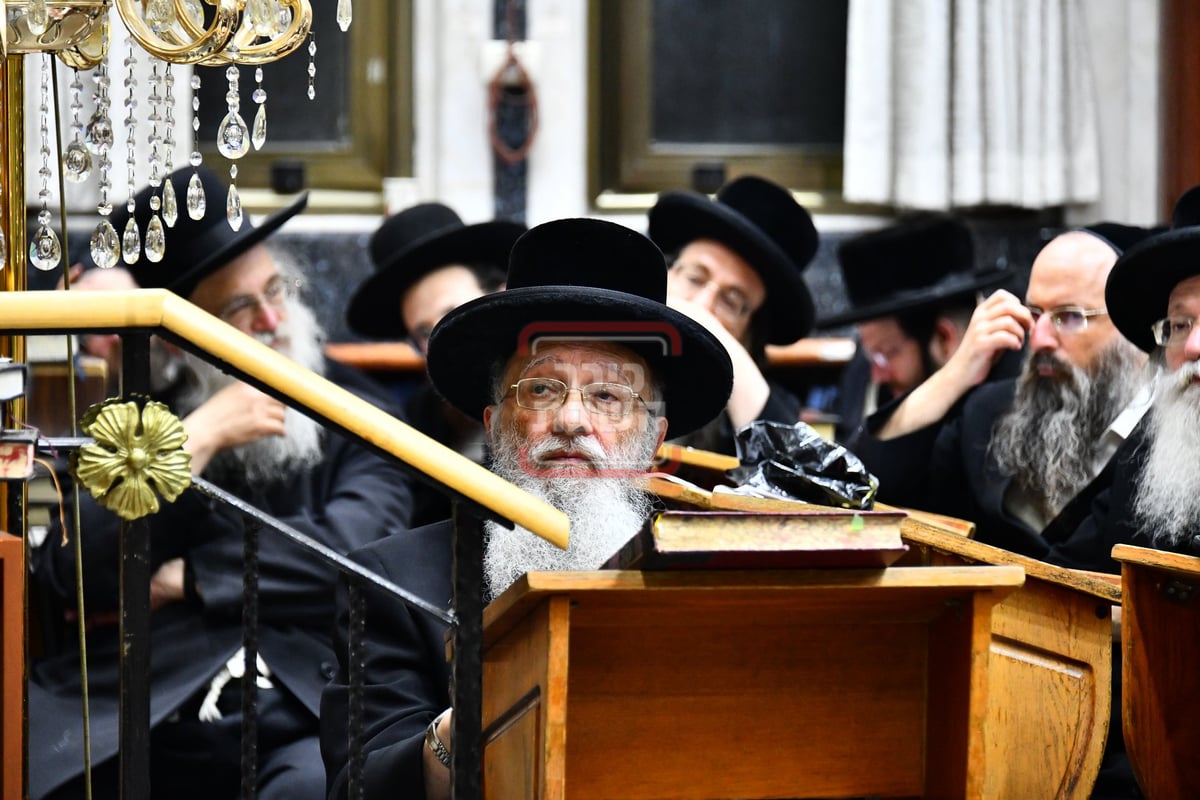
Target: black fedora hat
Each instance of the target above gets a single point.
(761, 222)
(922, 262)
(580, 279)
(196, 248)
(409, 245)
(1140, 284)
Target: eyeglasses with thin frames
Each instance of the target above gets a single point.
(729, 302)
(1067, 319)
(1172, 332)
(241, 310)
(547, 394)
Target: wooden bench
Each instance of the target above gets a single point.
(1160, 640)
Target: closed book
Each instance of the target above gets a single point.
(810, 539)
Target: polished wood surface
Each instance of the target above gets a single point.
(171, 315)
(12, 661)
(1050, 683)
(806, 683)
(1160, 639)
(400, 356)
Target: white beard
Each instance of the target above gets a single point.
(271, 458)
(605, 512)
(1167, 500)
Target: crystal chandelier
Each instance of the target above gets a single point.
(208, 32)
(214, 33)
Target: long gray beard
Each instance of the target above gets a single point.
(1050, 437)
(271, 458)
(1167, 499)
(605, 512)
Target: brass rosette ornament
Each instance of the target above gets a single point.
(137, 456)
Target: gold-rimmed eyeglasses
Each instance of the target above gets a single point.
(547, 394)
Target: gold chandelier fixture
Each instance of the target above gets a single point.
(205, 32)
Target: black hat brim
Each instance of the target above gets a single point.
(476, 339)
(907, 302)
(1140, 284)
(682, 217)
(374, 310)
(230, 245)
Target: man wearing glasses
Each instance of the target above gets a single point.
(275, 459)
(737, 264)
(427, 263)
(574, 370)
(1153, 296)
(912, 288)
(1021, 458)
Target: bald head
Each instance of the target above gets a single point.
(1071, 271)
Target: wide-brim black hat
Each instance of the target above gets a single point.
(761, 222)
(580, 280)
(1140, 284)
(411, 244)
(196, 248)
(924, 261)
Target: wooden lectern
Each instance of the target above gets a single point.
(1050, 680)
(1160, 638)
(746, 684)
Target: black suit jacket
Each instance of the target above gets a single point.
(947, 468)
(350, 498)
(407, 677)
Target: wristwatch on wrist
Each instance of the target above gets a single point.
(434, 742)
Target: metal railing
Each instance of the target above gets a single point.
(477, 493)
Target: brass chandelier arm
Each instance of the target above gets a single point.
(285, 43)
(91, 50)
(227, 17)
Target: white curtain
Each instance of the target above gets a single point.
(959, 103)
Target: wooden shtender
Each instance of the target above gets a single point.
(1160, 638)
(1050, 669)
(748, 684)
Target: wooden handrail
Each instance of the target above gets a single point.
(62, 312)
(400, 357)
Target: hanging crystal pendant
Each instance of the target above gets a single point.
(259, 136)
(170, 204)
(104, 245)
(345, 14)
(45, 251)
(37, 17)
(233, 140)
(131, 242)
(99, 137)
(196, 202)
(156, 240)
(233, 208)
(312, 65)
(77, 162)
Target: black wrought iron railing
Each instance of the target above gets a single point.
(477, 494)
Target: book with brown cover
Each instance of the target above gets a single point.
(808, 539)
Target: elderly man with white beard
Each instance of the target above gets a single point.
(279, 461)
(1022, 458)
(1153, 295)
(574, 370)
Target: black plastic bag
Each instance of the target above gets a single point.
(794, 462)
